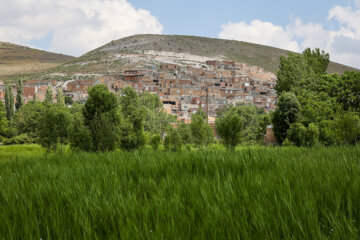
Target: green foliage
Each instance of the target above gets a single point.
(288, 111)
(34, 98)
(348, 92)
(155, 141)
(184, 131)
(172, 141)
(300, 135)
(201, 132)
(292, 71)
(9, 102)
(20, 139)
(48, 95)
(3, 120)
(101, 119)
(60, 97)
(27, 118)
(229, 127)
(78, 134)
(132, 117)
(53, 125)
(19, 95)
(316, 107)
(99, 101)
(150, 101)
(156, 121)
(318, 60)
(347, 128)
(104, 132)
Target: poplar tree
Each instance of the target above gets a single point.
(34, 98)
(19, 95)
(48, 95)
(9, 102)
(60, 97)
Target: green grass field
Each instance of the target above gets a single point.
(253, 193)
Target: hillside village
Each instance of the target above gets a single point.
(183, 89)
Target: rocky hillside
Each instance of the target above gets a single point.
(252, 54)
(18, 60)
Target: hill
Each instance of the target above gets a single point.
(18, 60)
(253, 54)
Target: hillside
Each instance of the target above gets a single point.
(17, 60)
(253, 54)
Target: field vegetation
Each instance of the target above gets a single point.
(251, 193)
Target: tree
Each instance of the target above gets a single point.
(132, 117)
(100, 100)
(300, 135)
(48, 95)
(292, 71)
(150, 101)
(288, 111)
(347, 128)
(172, 140)
(156, 120)
(27, 118)
(60, 97)
(3, 120)
(316, 106)
(101, 118)
(9, 102)
(34, 98)
(229, 128)
(184, 131)
(317, 60)
(53, 125)
(348, 93)
(104, 132)
(79, 135)
(19, 95)
(201, 132)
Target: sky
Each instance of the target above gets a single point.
(75, 27)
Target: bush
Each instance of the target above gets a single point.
(79, 134)
(21, 139)
(347, 128)
(299, 135)
(172, 141)
(155, 141)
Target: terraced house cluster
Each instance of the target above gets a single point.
(183, 89)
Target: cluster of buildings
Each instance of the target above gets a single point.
(182, 89)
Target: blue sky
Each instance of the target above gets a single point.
(75, 27)
(204, 18)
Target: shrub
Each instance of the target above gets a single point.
(155, 141)
(21, 139)
(172, 141)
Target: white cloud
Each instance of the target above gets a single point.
(77, 25)
(259, 32)
(343, 44)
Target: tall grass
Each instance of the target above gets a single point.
(253, 193)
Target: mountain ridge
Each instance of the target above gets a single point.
(16, 60)
(253, 54)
